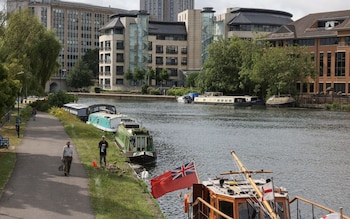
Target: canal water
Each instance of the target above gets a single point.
(307, 150)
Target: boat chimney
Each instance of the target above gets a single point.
(221, 181)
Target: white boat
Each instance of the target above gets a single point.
(77, 109)
(184, 99)
(237, 195)
(218, 98)
(281, 101)
(106, 121)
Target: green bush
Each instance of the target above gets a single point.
(153, 91)
(180, 91)
(144, 89)
(60, 98)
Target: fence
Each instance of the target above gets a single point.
(5, 119)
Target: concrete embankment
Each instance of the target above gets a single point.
(127, 96)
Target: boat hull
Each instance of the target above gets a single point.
(281, 101)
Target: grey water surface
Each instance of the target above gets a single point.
(307, 150)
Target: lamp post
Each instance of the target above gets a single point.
(62, 71)
(18, 118)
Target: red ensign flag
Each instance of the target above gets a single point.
(179, 178)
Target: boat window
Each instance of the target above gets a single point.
(279, 209)
(248, 211)
(226, 207)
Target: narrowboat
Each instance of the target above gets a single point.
(217, 98)
(136, 142)
(237, 195)
(105, 121)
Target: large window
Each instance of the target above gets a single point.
(339, 87)
(171, 60)
(171, 49)
(340, 64)
(329, 41)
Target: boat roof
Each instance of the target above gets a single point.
(108, 115)
(238, 188)
(75, 106)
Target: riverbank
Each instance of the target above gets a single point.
(109, 191)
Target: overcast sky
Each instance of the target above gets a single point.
(299, 8)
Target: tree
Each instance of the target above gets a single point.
(191, 79)
(8, 91)
(150, 74)
(164, 75)
(27, 46)
(139, 74)
(80, 76)
(278, 69)
(221, 70)
(91, 59)
(128, 76)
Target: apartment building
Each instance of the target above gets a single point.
(76, 26)
(165, 10)
(327, 37)
(131, 40)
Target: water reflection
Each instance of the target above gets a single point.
(308, 150)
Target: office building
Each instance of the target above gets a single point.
(327, 37)
(76, 26)
(165, 10)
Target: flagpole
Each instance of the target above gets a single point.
(195, 168)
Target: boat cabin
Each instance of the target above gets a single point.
(235, 199)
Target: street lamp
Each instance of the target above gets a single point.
(62, 71)
(18, 118)
(25, 82)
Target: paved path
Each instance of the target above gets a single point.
(36, 189)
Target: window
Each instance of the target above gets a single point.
(149, 58)
(171, 60)
(340, 64)
(184, 50)
(119, 81)
(329, 64)
(159, 60)
(159, 49)
(184, 61)
(321, 64)
(120, 57)
(149, 46)
(171, 49)
(329, 41)
(339, 87)
(120, 44)
(120, 70)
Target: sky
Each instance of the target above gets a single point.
(298, 8)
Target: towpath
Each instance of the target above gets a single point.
(36, 189)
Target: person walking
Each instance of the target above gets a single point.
(103, 145)
(67, 157)
(34, 113)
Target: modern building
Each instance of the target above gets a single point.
(165, 10)
(133, 40)
(327, 37)
(76, 25)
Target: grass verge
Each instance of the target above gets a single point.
(115, 191)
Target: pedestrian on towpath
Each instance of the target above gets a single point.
(67, 157)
